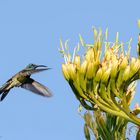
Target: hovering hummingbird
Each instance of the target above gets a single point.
(22, 79)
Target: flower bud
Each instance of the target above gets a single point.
(126, 73)
(87, 118)
(133, 61)
(65, 71)
(138, 21)
(106, 75)
(72, 71)
(86, 131)
(124, 63)
(98, 75)
(114, 68)
(136, 110)
(89, 56)
(129, 96)
(107, 55)
(77, 61)
(138, 47)
(90, 70)
(83, 67)
(134, 66)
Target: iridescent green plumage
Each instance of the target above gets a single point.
(22, 79)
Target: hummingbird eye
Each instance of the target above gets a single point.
(30, 66)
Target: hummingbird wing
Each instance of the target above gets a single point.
(37, 88)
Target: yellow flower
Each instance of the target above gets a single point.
(77, 61)
(65, 71)
(105, 75)
(134, 66)
(90, 70)
(98, 75)
(72, 71)
(126, 73)
(124, 63)
(83, 67)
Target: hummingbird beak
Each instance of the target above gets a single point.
(41, 67)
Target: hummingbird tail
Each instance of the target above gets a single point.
(4, 95)
(3, 88)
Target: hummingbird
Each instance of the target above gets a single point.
(22, 79)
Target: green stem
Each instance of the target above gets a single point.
(121, 114)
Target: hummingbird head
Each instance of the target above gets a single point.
(36, 67)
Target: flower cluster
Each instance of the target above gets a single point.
(103, 81)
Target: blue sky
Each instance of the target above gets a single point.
(29, 33)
